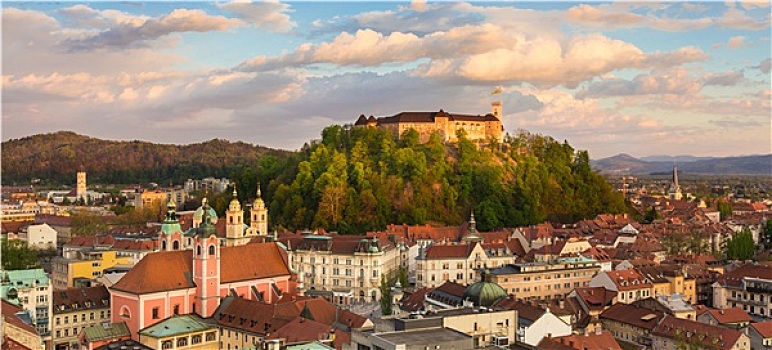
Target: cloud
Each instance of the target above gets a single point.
(138, 32)
(668, 81)
(736, 42)
(271, 15)
(737, 19)
(765, 65)
(731, 78)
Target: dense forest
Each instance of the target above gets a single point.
(55, 157)
(359, 179)
(352, 180)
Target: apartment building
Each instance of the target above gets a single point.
(30, 289)
(748, 287)
(630, 284)
(341, 268)
(83, 268)
(545, 280)
(75, 309)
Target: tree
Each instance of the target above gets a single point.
(724, 209)
(17, 256)
(741, 246)
(386, 296)
(86, 224)
(766, 235)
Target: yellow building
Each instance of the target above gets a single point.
(83, 268)
(180, 332)
(479, 128)
(668, 280)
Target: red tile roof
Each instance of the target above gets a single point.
(692, 331)
(170, 270)
(763, 328)
(10, 344)
(80, 298)
(633, 315)
(731, 315)
(596, 298)
(302, 330)
(604, 341)
(735, 277)
(9, 312)
(528, 311)
(449, 251)
(628, 279)
(415, 302)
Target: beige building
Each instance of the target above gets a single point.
(458, 263)
(545, 280)
(75, 309)
(180, 332)
(748, 287)
(342, 268)
(479, 128)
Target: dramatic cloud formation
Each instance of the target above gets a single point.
(275, 74)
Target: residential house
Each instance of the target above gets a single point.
(748, 287)
(630, 284)
(733, 318)
(98, 336)
(597, 340)
(631, 323)
(18, 329)
(761, 335)
(674, 333)
(39, 236)
(590, 302)
(533, 322)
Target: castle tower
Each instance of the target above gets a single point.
(80, 189)
(259, 216)
(496, 109)
(234, 224)
(206, 267)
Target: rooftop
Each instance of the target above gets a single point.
(175, 325)
(425, 336)
(106, 331)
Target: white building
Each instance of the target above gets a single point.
(39, 237)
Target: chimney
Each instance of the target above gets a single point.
(598, 330)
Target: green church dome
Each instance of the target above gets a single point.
(484, 293)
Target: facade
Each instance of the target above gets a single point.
(99, 336)
(761, 335)
(75, 309)
(39, 237)
(31, 290)
(480, 128)
(674, 333)
(748, 287)
(546, 280)
(180, 332)
(630, 284)
(348, 266)
(631, 323)
(669, 280)
(16, 330)
(181, 282)
(534, 323)
(84, 267)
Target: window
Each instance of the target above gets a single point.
(58, 321)
(91, 316)
(211, 336)
(74, 318)
(66, 319)
(195, 339)
(177, 309)
(155, 313)
(211, 250)
(176, 245)
(182, 342)
(167, 344)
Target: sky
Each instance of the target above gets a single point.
(642, 78)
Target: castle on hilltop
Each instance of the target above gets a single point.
(478, 128)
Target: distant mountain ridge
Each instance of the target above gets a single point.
(742, 165)
(57, 156)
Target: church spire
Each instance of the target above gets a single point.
(472, 235)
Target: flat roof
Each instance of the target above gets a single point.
(424, 336)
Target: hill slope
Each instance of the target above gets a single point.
(57, 156)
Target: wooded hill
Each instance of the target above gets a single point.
(352, 180)
(360, 179)
(57, 156)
